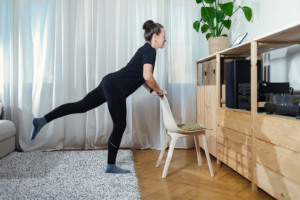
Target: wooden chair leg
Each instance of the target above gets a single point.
(207, 155)
(163, 149)
(174, 136)
(198, 150)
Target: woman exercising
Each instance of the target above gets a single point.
(114, 89)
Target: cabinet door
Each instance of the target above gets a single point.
(200, 105)
(212, 72)
(205, 68)
(210, 116)
(206, 115)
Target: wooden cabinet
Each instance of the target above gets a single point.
(237, 120)
(234, 140)
(264, 149)
(279, 130)
(278, 159)
(274, 183)
(235, 160)
(276, 155)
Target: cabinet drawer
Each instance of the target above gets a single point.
(281, 131)
(236, 161)
(283, 161)
(237, 120)
(275, 184)
(236, 141)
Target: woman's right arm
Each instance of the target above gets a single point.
(148, 76)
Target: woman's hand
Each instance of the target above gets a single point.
(165, 92)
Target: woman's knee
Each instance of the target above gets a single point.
(121, 126)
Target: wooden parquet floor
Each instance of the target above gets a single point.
(187, 180)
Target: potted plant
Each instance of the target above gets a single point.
(213, 19)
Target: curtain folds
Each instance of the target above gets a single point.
(56, 51)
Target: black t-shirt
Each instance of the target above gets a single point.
(130, 78)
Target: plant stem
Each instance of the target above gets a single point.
(207, 13)
(217, 23)
(224, 18)
(212, 20)
(228, 19)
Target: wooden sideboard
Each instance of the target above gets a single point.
(265, 149)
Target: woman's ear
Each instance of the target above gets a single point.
(154, 37)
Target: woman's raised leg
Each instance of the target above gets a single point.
(92, 100)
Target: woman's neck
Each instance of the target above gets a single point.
(152, 45)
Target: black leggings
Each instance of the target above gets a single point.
(117, 108)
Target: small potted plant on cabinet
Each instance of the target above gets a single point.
(213, 19)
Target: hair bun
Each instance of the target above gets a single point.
(148, 24)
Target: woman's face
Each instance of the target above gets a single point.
(160, 39)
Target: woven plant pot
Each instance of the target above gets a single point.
(217, 44)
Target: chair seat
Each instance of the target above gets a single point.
(7, 129)
(191, 126)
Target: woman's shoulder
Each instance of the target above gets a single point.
(149, 49)
(145, 50)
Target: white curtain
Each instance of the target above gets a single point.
(54, 52)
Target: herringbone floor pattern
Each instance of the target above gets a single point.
(186, 180)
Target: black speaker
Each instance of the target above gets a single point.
(236, 72)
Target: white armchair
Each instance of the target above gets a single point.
(7, 135)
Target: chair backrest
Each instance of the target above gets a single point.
(168, 118)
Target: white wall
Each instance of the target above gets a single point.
(268, 16)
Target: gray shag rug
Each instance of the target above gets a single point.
(66, 175)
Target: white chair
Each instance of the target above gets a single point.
(175, 132)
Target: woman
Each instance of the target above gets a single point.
(114, 89)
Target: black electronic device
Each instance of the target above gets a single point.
(244, 102)
(284, 104)
(265, 88)
(245, 88)
(237, 72)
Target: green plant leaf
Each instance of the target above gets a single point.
(207, 16)
(199, 1)
(227, 23)
(227, 8)
(204, 28)
(196, 25)
(208, 35)
(225, 35)
(219, 16)
(210, 1)
(248, 13)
